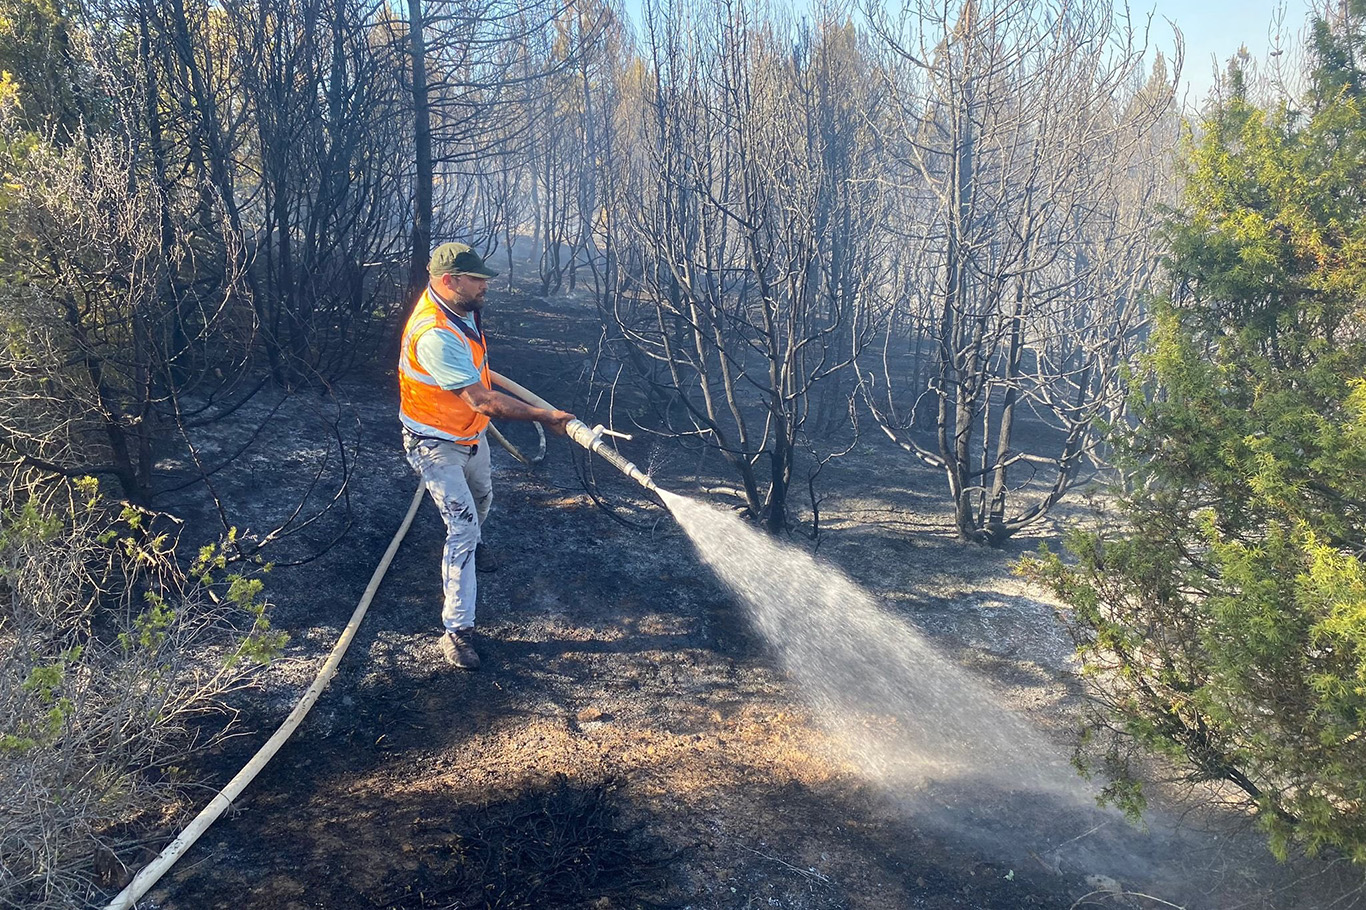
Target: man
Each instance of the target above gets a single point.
(446, 399)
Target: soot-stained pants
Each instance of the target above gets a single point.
(459, 480)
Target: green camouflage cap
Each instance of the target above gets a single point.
(458, 259)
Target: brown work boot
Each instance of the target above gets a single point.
(484, 560)
(458, 650)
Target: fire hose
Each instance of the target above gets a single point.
(590, 438)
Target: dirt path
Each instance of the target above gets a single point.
(630, 741)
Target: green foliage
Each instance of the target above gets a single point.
(261, 645)
(1341, 52)
(48, 706)
(27, 525)
(1223, 621)
(51, 710)
(107, 647)
(42, 57)
(13, 142)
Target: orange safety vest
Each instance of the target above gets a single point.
(425, 408)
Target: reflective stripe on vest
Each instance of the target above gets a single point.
(424, 407)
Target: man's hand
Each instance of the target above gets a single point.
(558, 420)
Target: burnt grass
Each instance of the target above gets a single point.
(629, 742)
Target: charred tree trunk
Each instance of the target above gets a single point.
(421, 244)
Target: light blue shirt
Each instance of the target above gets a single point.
(448, 358)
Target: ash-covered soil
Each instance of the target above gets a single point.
(631, 741)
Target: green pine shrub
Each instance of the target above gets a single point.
(1221, 616)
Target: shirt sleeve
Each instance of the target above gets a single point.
(447, 358)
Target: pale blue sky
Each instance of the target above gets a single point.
(1215, 29)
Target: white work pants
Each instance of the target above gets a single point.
(459, 480)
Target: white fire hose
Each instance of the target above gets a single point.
(151, 873)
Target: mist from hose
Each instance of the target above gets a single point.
(907, 715)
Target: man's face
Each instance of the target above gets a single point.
(467, 290)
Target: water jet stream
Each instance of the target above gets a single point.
(907, 714)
